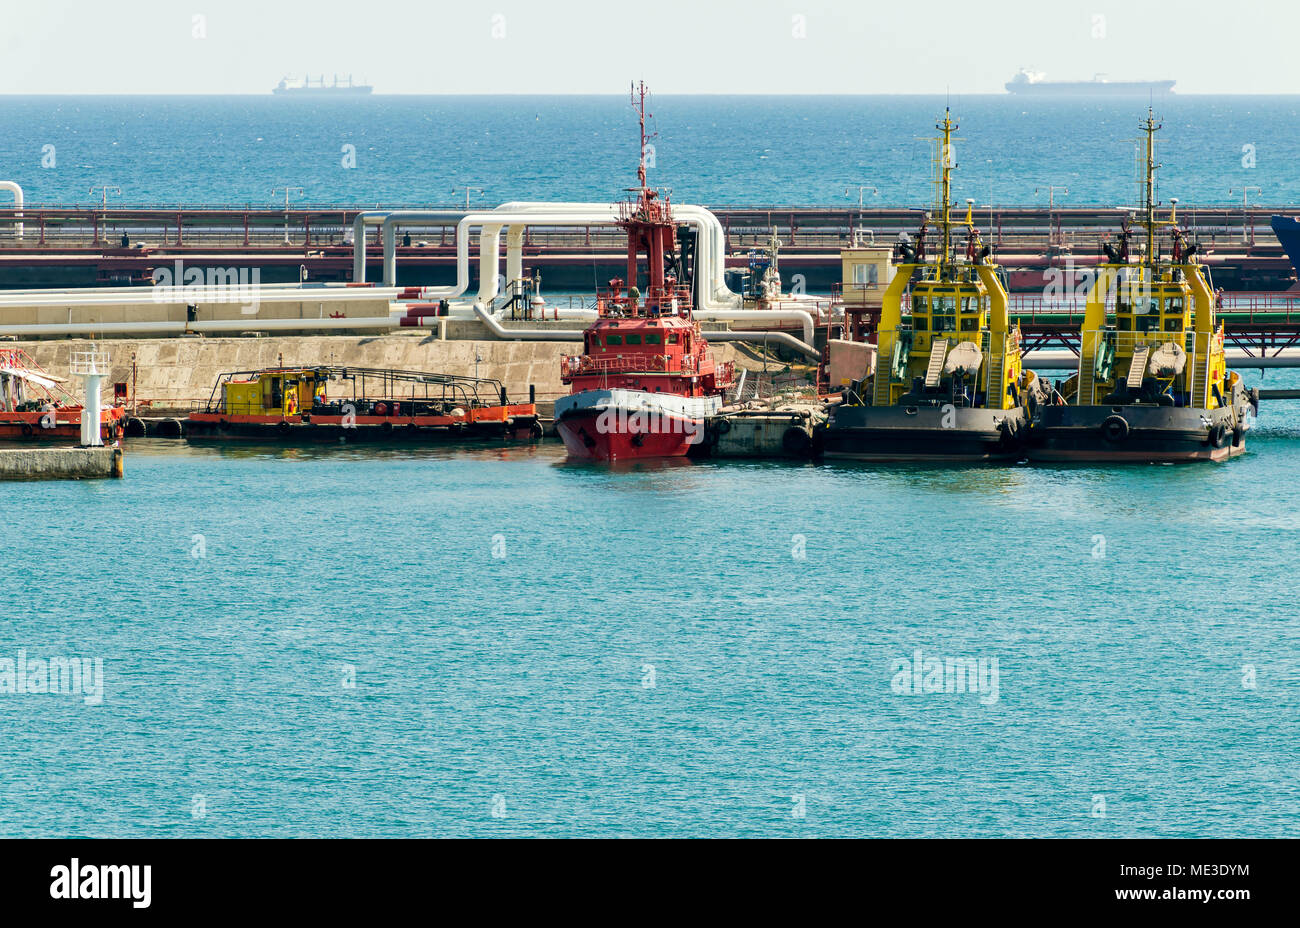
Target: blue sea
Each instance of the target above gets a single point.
(492, 641)
(735, 151)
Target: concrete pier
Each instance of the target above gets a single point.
(766, 432)
(60, 463)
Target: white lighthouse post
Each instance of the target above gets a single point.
(92, 368)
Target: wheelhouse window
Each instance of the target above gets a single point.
(672, 338)
(653, 338)
(945, 313)
(634, 338)
(613, 340)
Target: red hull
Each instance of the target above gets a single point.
(584, 440)
(26, 426)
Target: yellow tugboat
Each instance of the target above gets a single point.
(949, 385)
(1152, 383)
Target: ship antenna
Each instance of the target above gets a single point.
(945, 184)
(640, 108)
(1150, 210)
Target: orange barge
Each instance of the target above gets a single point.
(359, 404)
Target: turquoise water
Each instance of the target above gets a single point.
(716, 150)
(519, 683)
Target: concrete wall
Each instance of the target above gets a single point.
(59, 463)
(174, 372)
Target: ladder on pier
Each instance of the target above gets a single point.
(1138, 368)
(938, 351)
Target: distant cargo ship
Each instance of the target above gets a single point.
(306, 87)
(1287, 231)
(1033, 82)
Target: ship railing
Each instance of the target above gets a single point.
(665, 300)
(1244, 306)
(578, 365)
(1200, 348)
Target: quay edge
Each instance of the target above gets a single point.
(61, 463)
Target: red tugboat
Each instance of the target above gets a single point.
(646, 381)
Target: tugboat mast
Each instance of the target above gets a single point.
(945, 187)
(639, 106)
(1150, 127)
(650, 229)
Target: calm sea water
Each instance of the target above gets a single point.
(596, 652)
(712, 150)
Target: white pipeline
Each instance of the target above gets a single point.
(18, 204)
(211, 325)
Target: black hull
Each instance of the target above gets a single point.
(1148, 434)
(398, 434)
(921, 434)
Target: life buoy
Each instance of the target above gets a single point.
(1114, 429)
(381, 409)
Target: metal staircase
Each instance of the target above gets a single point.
(880, 393)
(938, 351)
(994, 390)
(1138, 368)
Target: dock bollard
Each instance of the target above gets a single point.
(119, 467)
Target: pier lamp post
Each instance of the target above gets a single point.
(1247, 227)
(1051, 206)
(468, 191)
(862, 190)
(104, 190)
(288, 192)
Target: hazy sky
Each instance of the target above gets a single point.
(681, 46)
